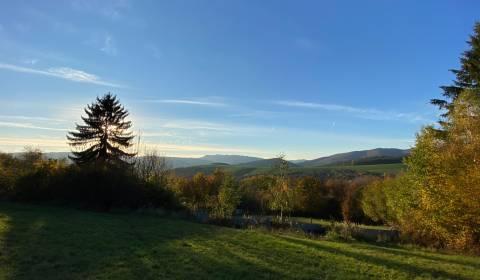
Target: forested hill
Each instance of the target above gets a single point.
(379, 155)
(365, 157)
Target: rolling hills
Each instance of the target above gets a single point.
(345, 165)
(359, 156)
(376, 161)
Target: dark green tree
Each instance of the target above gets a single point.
(467, 77)
(104, 138)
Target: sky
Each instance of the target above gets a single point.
(260, 78)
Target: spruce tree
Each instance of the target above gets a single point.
(104, 138)
(467, 77)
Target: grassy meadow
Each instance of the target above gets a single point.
(40, 242)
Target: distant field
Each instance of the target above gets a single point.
(335, 170)
(391, 168)
(54, 243)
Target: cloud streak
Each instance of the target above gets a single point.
(188, 102)
(29, 126)
(371, 114)
(17, 144)
(17, 117)
(65, 73)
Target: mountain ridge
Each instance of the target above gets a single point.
(353, 157)
(348, 157)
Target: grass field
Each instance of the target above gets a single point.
(54, 243)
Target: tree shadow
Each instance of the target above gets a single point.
(393, 249)
(412, 270)
(57, 243)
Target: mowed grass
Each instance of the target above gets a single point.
(55, 243)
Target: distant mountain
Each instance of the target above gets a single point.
(365, 157)
(264, 166)
(57, 155)
(48, 155)
(230, 159)
(297, 161)
(176, 162)
(357, 157)
(189, 171)
(271, 162)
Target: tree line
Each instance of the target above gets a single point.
(147, 182)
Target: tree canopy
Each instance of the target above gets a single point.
(467, 77)
(104, 137)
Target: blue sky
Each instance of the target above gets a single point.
(303, 78)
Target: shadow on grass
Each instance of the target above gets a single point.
(395, 249)
(410, 269)
(56, 243)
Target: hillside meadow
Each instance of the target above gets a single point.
(39, 242)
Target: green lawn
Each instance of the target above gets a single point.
(54, 243)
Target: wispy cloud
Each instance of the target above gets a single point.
(245, 113)
(31, 118)
(62, 73)
(328, 107)
(29, 126)
(154, 124)
(372, 114)
(104, 42)
(13, 144)
(31, 61)
(187, 102)
(108, 46)
(197, 126)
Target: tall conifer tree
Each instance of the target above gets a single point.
(467, 77)
(104, 138)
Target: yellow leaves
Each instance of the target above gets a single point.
(447, 174)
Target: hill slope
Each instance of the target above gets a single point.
(54, 243)
(385, 153)
(230, 159)
(270, 163)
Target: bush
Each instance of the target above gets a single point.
(100, 186)
(341, 232)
